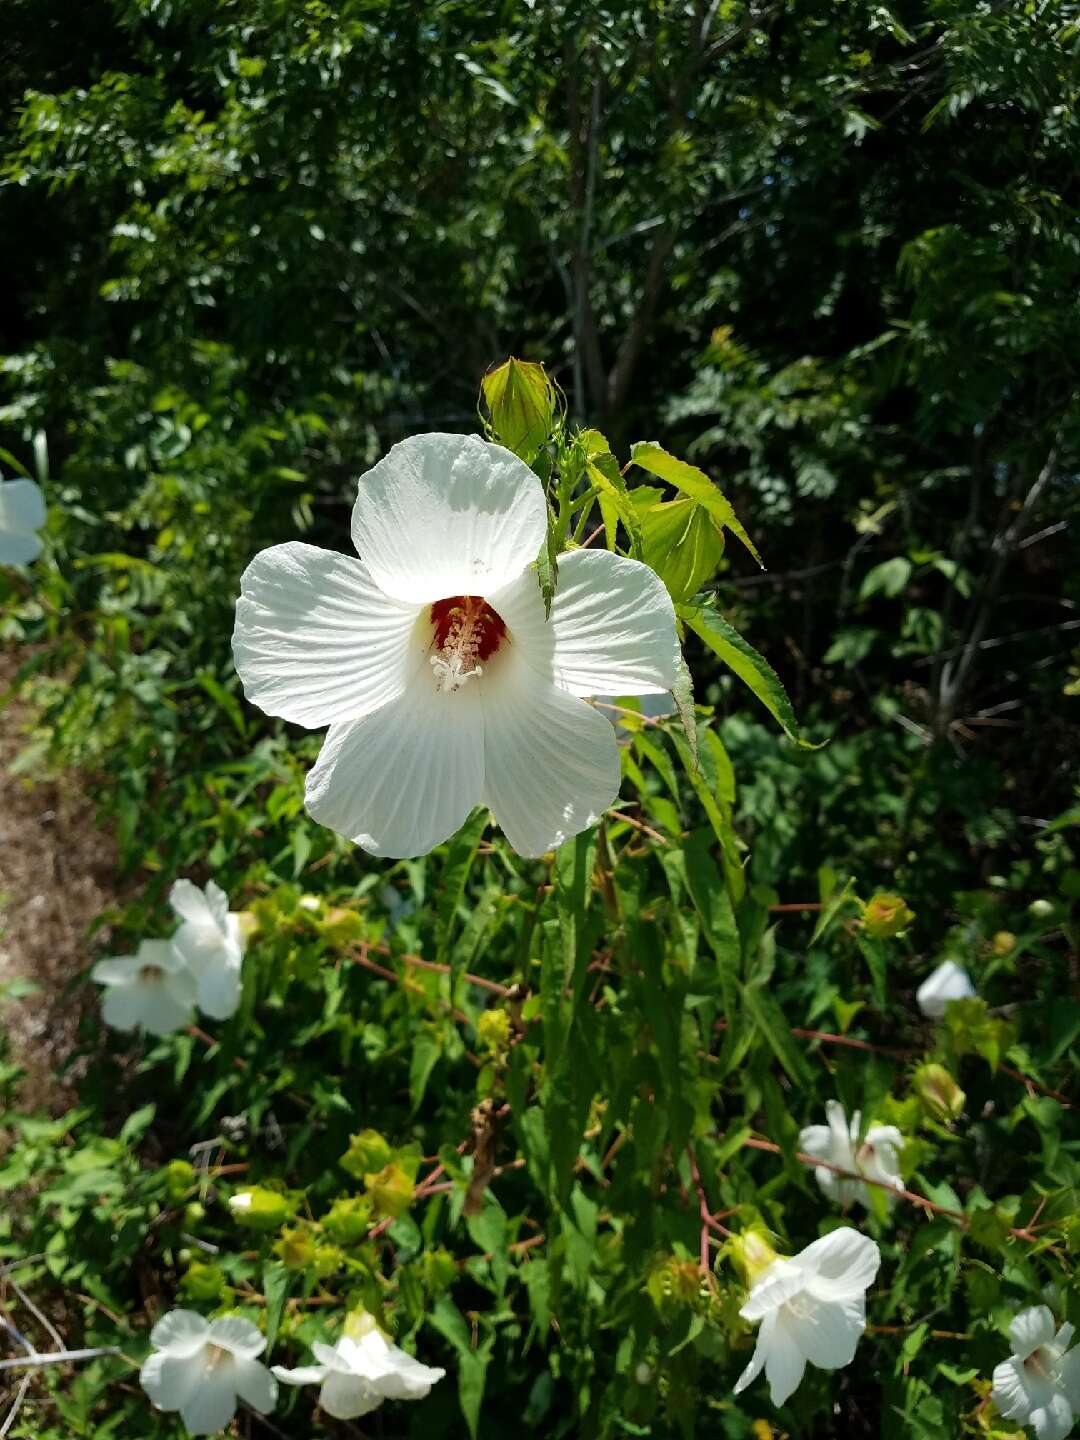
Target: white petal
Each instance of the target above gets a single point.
(22, 505)
(160, 1011)
(316, 641)
(190, 903)
(1009, 1392)
(1069, 1377)
(816, 1140)
(180, 1332)
(162, 954)
(347, 1396)
(1030, 1329)
(169, 1379)
(404, 1377)
(233, 1332)
(754, 1369)
(551, 764)
(611, 631)
(18, 548)
(120, 970)
(827, 1332)
(774, 1287)
(785, 1363)
(218, 904)
(949, 981)
(335, 1358)
(841, 1265)
(254, 1384)
(444, 515)
(401, 781)
(211, 1404)
(1052, 1420)
(122, 1006)
(219, 991)
(302, 1375)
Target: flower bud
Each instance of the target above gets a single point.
(1040, 909)
(260, 1209)
(368, 1153)
(348, 1219)
(521, 401)
(391, 1190)
(295, 1249)
(751, 1253)
(939, 1092)
(643, 1373)
(1003, 942)
(493, 1029)
(885, 916)
(203, 1282)
(179, 1178)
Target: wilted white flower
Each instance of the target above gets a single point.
(22, 514)
(151, 989)
(949, 981)
(811, 1307)
(212, 945)
(432, 662)
(1039, 1384)
(875, 1156)
(358, 1374)
(200, 1367)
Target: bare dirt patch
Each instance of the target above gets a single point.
(57, 874)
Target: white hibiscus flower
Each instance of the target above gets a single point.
(357, 1375)
(201, 1367)
(150, 990)
(211, 943)
(949, 981)
(876, 1155)
(811, 1307)
(22, 514)
(432, 662)
(1039, 1384)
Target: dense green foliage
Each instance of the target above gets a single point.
(828, 253)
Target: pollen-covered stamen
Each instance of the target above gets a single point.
(467, 633)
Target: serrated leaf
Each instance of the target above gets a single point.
(460, 856)
(682, 692)
(752, 669)
(695, 483)
(603, 473)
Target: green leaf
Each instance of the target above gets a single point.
(275, 1282)
(769, 1020)
(460, 856)
(751, 668)
(693, 482)
(603, 473)
(682, 692)
(547, 569)
(683, 543)
(472, 1364)
(887, 579)
(426, 1051)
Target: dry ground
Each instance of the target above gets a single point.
(56, 876)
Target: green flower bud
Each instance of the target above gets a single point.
(391, 1190)
(203, 1282)
(521, 401)
(1003, 942)
(886, 916)
(326, 1260)
(939, 1092)
(295, 1249)
(348, 1219)
(368, 1153)
(439, 1269)
(179, 1178)
(751, 1253)
(261, 1209)
(493, 1029)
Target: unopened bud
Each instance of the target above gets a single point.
(1003, 942)
(939, 1092)
(1040, 909)
(751, 1253)
(886, 916)
(260, 1209)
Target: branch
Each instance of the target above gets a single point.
(58, 1357)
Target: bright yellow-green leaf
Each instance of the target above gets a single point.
(694, 483)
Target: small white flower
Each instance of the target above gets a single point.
(357, 1375)
(150, 989)
(1039, 1384)
(811, 1307)
(949, 981)
(212, 945)
(200, 1367)
(432, 662)
(876, 1155)
(22, 514)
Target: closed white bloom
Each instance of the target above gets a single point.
(357, 1375)
(1039, 1384)
(432, 662)
(150, 990)
(949, 981)
(22, 514)
(203, 1367)
(211, 943)
(811, 1307)
(876, 1155)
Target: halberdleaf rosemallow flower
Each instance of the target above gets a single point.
(1039, 1384)
(211, 943)
(811, 1307)
(360, 1371)
(22, 514)
(838, 1142)
(150, 990)
(432, 662)
(949, 981)
(202, 1367)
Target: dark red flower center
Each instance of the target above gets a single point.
(468, 626)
